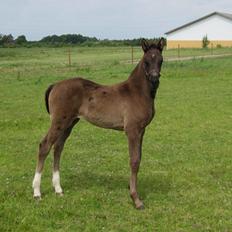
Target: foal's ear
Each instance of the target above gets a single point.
(145, 45)
(161, 43)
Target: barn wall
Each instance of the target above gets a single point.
(217, 29)
(196, 43)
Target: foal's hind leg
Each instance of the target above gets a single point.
(58, 147)
(44, 149)
(53, 134)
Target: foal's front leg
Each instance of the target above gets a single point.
(135, 138)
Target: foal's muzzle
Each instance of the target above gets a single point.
(154, 76)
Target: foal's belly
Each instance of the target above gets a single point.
(105, 122)
(104, 114)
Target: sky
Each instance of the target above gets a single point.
(104, 19)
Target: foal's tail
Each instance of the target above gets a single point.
(47, 96)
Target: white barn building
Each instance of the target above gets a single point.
(216, 26)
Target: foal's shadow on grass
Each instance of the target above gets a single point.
(152, 184)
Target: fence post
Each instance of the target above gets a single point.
(211, 48)
(178, 51)
(132, 55)
(18, 75)
(69, 57)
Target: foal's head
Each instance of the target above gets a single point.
(152, 59)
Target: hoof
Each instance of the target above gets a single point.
(61, 194)
(37, 198)
(140, 207)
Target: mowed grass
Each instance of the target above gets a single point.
(185, 178)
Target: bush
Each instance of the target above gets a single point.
(205, 42)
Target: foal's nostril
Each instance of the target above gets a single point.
(158, 75)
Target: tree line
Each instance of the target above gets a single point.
(64, 40)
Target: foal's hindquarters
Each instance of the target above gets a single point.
(62, 106)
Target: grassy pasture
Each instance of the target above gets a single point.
(84, 56)
(186, 170)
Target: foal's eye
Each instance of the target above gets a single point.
(146, 63)
(160, 62)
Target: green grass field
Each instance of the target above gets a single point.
(185, 179)
(39, 58)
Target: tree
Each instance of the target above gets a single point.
(1, 39)
(7, 39)
(21, 39)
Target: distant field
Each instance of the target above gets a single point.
(186, 170)
(84, 56)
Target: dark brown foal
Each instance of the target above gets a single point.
(127, 106)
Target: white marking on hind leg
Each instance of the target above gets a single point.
(36, 185)
(56, 182)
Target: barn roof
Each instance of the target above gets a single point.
(225, 15)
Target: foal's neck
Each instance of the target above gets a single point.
(139, 80)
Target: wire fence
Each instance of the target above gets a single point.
(77, 57)
(131, 55)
